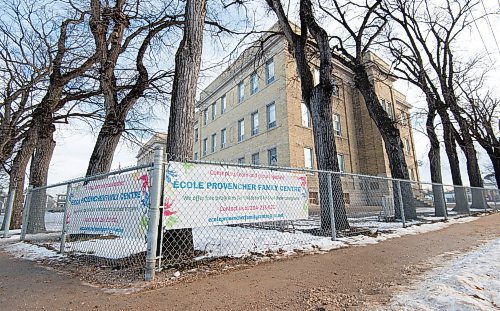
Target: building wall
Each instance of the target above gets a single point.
(267, 93)
(359, 141)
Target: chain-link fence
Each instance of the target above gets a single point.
(184, 213)
(101, 220)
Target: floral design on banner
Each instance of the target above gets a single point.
(169, 218)
(143, 219)
(303, 184)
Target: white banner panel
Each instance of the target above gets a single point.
(117, 205)
(199, 195)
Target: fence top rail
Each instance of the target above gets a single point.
(310, 170)
(98, 176)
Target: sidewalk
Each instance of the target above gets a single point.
(341, 279)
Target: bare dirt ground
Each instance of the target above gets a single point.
(346, 279)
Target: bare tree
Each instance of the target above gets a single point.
(308, 39)
(434, 30)
(353, 51)
(117, 30)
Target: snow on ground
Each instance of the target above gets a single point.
(237, 241)
(470, 281)
(31, 251)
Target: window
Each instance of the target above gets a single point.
(347, 198)
(337, 129)
(241, 130)
(270, 71)
(407, 145)
(195, 135)
(214, 143)
(196, 155)
(214, 110)
(272, 157)
(340, 159)
(205, 117)
(205, 146)
(255, 159)
(255, 123)
(241, 92)
(315, 76)
(389, 110)
(223, 104)
(241, 160)
(271, 115)
(313, 198)
(306, 117)
(223, 138)
(374, 185)
(403, 118)
(254, 83)
(412, 174)
(308, 161)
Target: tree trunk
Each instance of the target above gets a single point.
(473, 171)
(178, 244)
(392, 141)
(461, 205)
(17, 176)
(435, 163)
(495, 162)
(105, 146)
(322, 120)
(38, 174)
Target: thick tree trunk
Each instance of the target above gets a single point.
(105, 146)
(178, 244)
(38, 174)
(461, 205)
(473, 171)
(495, 162)
(326, 155)
(17, 177)
(435, 164)
(392, 141)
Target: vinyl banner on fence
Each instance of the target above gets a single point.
(199, 195)
(117, 205)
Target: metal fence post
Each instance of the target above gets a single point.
(26, 211)
(154, 212)
(8, 212)
(332, 210)
(65, 224)
(401, 207)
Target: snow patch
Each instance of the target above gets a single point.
(31, 251)
(470, 281)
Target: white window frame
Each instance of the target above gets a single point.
(270, 74)
(308, 158)
(337, 125)
(223, 138)
(269, 158)
(196, 135)
(341, 161)
(256, 156)
(241, 130)
(271, 124)
(205, 146)
(254, 83)
(214, 110)
(205, 117)
(223, 104)
(241, 92)
(214, 143)
(305, 115)
(254, 125)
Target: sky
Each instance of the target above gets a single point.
(75, 143)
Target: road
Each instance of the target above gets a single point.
(345, 279)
